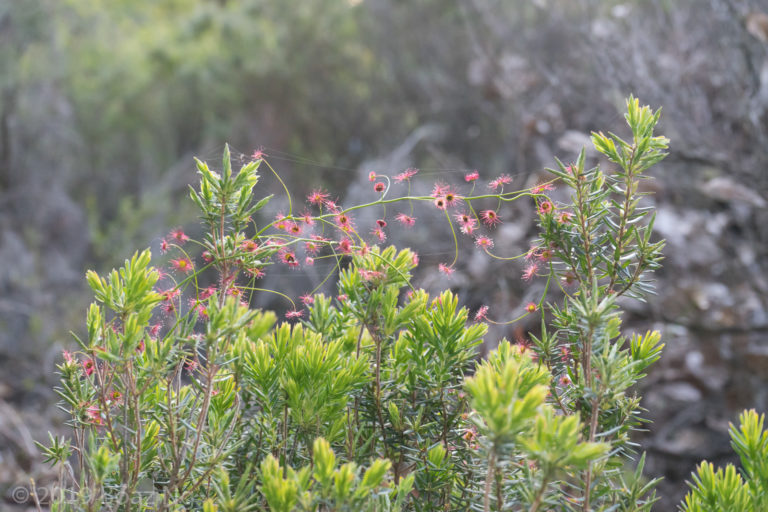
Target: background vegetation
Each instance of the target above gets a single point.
(103, 104)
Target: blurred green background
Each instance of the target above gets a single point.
(103, 105)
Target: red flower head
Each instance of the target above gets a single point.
(530, 271)
(207, 292)
(451, 198)
(249, 246)
(499, 182)
(379, 234)
(483, 242)
(345, 246)
(439, 189)
(293, 228)
(542, 187)
(183, 265)
(259, 154)
(294, 314)
(406, 175)
(89, 367)
(178, 236)
(490, 217)
(344, 222)
(379, 186)
(94, 415)
(466, 223)
(318, 197)
(546, 207)
(288, 257)
(445, 269)
(405, 220)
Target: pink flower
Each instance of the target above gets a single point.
(331, 205)
(154, 330)
(466, 223)
(440, 203)
(490, 218)
(381, 223)
(344, 222)
(530, 271)
(201, 310)
(318, 197)
(280, 221)
(483, 242)
(379, 233)
(439, 189)
(542, 187)
(178, 236)
(370, 275)
(545, 255)
(94, 415)
(545, 207)
(207, 256)
(371, 176)
(207, 292)
(405, 220)
(293, 314)
(258, 154)
(379, 186)
(288, 257)
(345, 246)
(342, 297)
(415, 259)
(89, 367)
(307, 218)
(309, 261)
(472, 176)
(482, 314)
(307, 299)
(451, 198)
(256, 272)
(531, 307)
(183, 265)
(294, 228)
(68, 357)
(445, 269)
(406, 175)
(249, 246)
(163, 246)
(499, 182)
(564, 217)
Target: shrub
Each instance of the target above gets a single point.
(184, 397)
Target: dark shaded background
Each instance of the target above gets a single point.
(103, 105)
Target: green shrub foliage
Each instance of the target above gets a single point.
(183, 397)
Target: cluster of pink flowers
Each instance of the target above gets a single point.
(292, 230)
